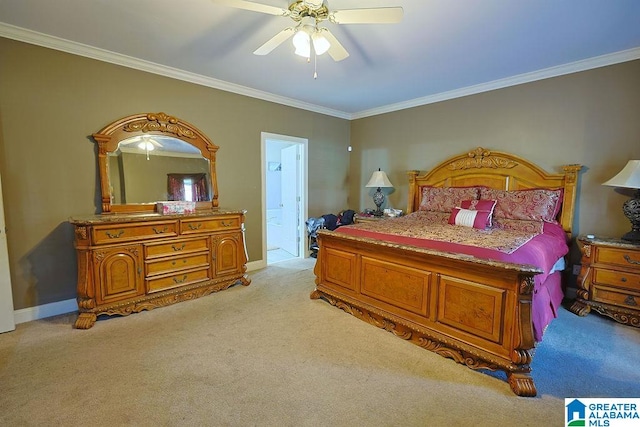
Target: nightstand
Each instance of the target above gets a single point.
(359, 218)
(609, 280)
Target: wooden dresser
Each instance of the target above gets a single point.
(609, 279)
(133, 262)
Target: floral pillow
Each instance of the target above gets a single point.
(533, 205)
(524, 226)
(473, 213)
(444, 199)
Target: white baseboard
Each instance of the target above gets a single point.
(68, 306)
(46, 310)
(256, 265)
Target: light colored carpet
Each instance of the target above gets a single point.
(267, 355)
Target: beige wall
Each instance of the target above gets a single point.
(590, 118)
(50, 104)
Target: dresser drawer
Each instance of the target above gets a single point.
(162, 283)
(617, 296)
(617, 257)
(124, 232)
(175, 247)
(177, 263)
(616, 279)
(191, 226)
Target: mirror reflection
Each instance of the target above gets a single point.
(151, 168)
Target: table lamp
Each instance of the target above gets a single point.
(629, 177)
(379, 179)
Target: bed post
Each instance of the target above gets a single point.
(411, 204)
(569, 200)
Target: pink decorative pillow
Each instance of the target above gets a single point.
(473, 213)
(534, 204)
(444, 199)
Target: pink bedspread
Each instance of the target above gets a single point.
(542, 250)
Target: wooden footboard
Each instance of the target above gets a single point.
(473, 311)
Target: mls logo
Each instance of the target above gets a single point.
(602, 412)
(576, 413)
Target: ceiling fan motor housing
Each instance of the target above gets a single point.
(303, 8)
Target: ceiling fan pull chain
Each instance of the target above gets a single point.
(315, 65)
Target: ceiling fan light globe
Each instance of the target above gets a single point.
(302, 44)
(304, 52)
(146, 145)
(320, 43)
(301, 39)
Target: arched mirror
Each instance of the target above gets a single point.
(148, 158)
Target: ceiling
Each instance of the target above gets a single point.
(442, 49)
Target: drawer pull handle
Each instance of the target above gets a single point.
(114, 235)
(178, 280)
(226, 224)
(158, 231)
(630, 301)
(623, 280)
(195, 227)
(178, 248)
(631, 261)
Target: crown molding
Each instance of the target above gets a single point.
(560, 70)
(56, 43)
(52, 42)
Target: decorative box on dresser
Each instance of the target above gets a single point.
(609, 279)
(128, 263)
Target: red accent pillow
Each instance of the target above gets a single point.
(473, 213)
(444, 199)
(533, 204)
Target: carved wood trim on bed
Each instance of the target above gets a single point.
(474, 311)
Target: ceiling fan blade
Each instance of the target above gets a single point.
(380, 15)
(274, 42)
(336, 50)
(255, 7)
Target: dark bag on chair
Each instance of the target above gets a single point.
(330, 221)
(346, 217)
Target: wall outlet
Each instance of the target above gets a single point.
(576, 269)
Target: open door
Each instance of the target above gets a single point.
(290, 241)
(284, 196)
(7, 322)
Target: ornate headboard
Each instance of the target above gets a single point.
(494, 169)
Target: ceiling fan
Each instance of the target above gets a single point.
(307, 15)
(143, 143)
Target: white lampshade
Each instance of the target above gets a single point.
(320, 43)
(302, 43)
(628, 177)
(379, 179)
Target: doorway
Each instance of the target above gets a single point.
(284, 160)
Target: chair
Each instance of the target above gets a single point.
(313, 225)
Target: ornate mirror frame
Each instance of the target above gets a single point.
(150, 124)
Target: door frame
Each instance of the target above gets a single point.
(7, 317)
(303, 187)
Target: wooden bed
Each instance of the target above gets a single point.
(474, 311)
